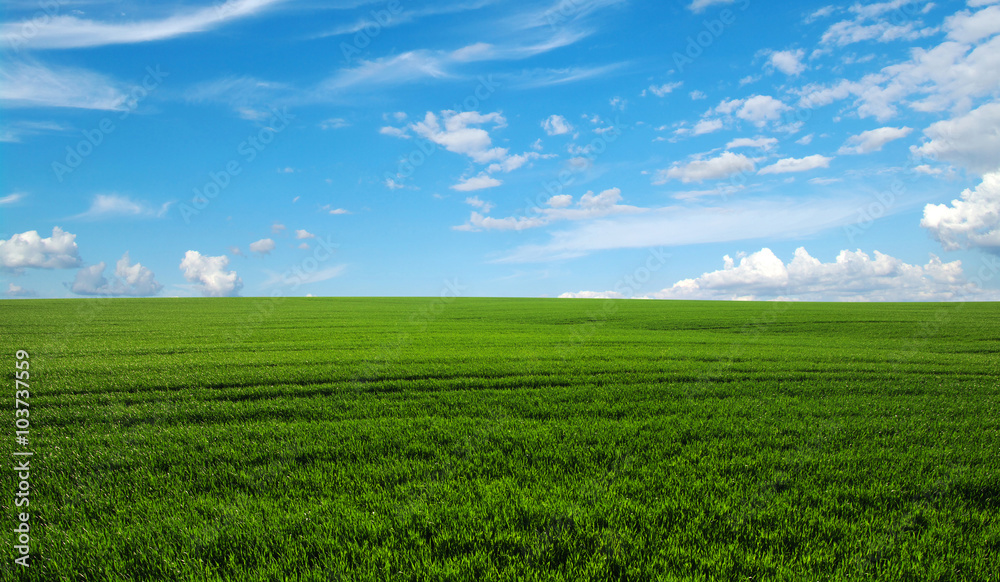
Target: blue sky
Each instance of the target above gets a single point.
(589, 148)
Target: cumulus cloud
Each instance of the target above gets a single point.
(788, 165)
(556, 125)
(873, 140)
(952, 74)
(475, 202)
(210, 275)
(852, 276)
(761, 109)
(127, 280)
(725, 165)
(788, 62)
(880, 22)
(29, 249)
(480, 182)
(764, 143)
(971, 140)
(458, 135)
(302, 234)
(973, 220)
(706, 126)
(18, 291)
(662, 90)
(262, 246)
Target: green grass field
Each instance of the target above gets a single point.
(495, 439)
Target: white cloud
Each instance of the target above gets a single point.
(881, 22)
(662, 90)
(969, 27)
(559, 207)
(210, 274)
(788, 62)
(971, 221)
(303, 234)
(277, 228)
(475, 202)
(479, 222)
(536, 78)
(334, 123)
(593, 295)
(873, 140)
(952, 74)
(706, 126)
(820, 13)
(339, 211)
(127, 280)
(971, 140)
(479, 182)
(29, 250)
(805, 140)
(698, 6)
(722, 166)
(761, 109)
(697, 95)
(457, 136)
(787, 165)
(31, 84)
(262, 246)
(12, 198)
(105, 206)
(824, 181)
(64, 31)
(852, 276)
(391, 184)
(738, 219)
(515, 161)
(556, 125)
(18, 291)
(395, 132)
(764, 143)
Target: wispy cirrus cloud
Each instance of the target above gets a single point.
(29, 83)
(106, 206)
(677, 226)
(65, 31)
